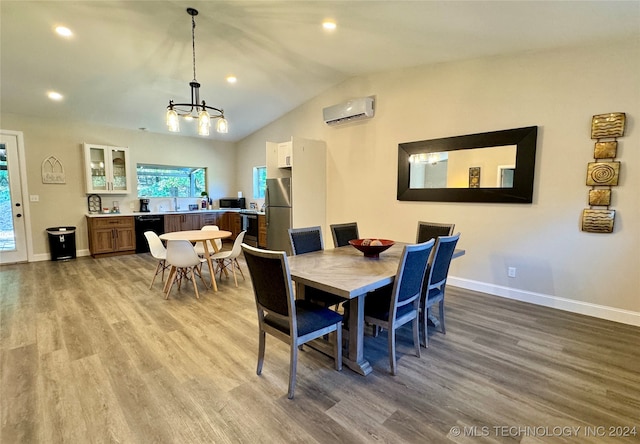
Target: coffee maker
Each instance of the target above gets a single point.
(144, 205)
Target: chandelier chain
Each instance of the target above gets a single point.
(193, 45)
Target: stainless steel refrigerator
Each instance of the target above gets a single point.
(279, 214)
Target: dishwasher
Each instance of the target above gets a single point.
(153, 223)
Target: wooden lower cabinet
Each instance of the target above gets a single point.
(262, 231)
(111, 236)
(231, 221)
(182, 222)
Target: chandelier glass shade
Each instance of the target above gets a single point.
(196, 109)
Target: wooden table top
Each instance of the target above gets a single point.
(196, 235)
(345, 271)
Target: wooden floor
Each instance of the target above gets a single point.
(91, 355)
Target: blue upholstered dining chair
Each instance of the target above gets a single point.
(436, 280)
(395, 305)
(308, 240)
(343, 233)
(295, 322)
(431, 230)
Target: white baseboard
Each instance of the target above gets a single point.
(585, 308)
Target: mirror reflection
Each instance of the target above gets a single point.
(485, 167)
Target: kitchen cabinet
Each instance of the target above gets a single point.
(106, 169)
(285, 154)
(262, 231)
(111, 236)
(231, 221)
(210, 219)
(182, 222)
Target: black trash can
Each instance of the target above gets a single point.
(62, 243)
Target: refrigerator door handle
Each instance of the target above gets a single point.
(266, 207)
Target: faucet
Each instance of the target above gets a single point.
(175, 204)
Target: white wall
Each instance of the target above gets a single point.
(559, 91)
(66, 204)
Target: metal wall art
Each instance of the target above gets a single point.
(603, 173)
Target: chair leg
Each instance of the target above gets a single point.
(425, 315)
(195, 284)
(292, 370)
(233, 270)
(442, 316)
(261, 343)
(416, 335)
(392, 350)
(156, 274)
(173, 276)
(199, 273)
(338, 347)
(239, 269)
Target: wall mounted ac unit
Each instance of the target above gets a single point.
(355, 109)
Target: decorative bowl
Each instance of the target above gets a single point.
(371, 247)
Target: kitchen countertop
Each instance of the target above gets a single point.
(158, 213)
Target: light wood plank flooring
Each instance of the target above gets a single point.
(91, 355)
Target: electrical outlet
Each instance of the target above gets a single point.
(511, 272)
(34, 198)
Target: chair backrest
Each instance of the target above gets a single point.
(443, 253)
(407, 287)
(181, 253)
(217, 241)
(343, 233)
(237, 245)
(271, 280)
(306, 240)
(431, 230)
(156, 247)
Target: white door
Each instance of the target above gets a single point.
(13, 242)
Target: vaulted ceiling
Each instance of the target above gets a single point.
(126, 59)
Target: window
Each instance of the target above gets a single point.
(259, 182)
(170, 181)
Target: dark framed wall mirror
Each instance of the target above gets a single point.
(496, 166)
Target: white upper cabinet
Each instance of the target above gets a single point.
(106, 169)
(285, 155)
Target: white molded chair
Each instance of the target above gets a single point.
(184, 262)
(229, 259)
(218, 242)
(158, 251)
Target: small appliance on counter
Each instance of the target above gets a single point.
(144, 205)
(233, 202)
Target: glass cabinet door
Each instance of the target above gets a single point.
(119, 169)
(98, 169)
(106, 169)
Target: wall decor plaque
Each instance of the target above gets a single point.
(607, 125)
(598, 221)
(601, 198)
(603, 173)
(52, 171)
(474, 177)
(605, 150)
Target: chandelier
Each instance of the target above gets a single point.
(195, 109)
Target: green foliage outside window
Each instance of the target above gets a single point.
(170, 181)
(259, 182)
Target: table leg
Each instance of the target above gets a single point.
(354, 358)
(207, 254)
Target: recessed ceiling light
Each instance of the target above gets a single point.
(64, 31)
(232, 79)
(55, 95)
(329, 25)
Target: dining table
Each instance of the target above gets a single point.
(346, 272)
(201, 236)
